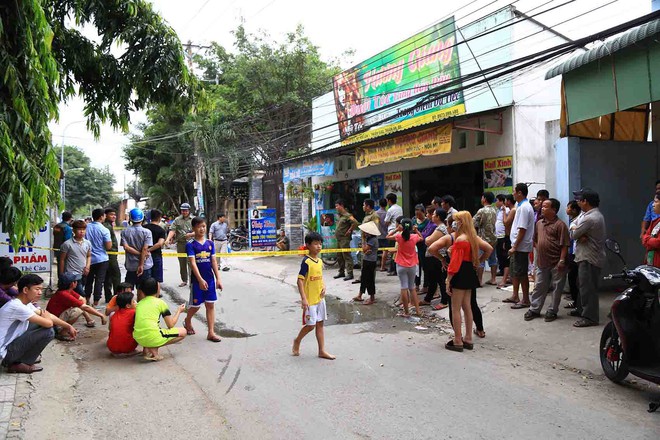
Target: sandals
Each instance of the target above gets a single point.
(440, 306)
(215, 338)
(189, 329)
(510, 300)
(64, 338)
(90, 324)
(570, 305)
(584, 322)
(369, 302)
(480, 333)
(518, 306)
(467, 345)
(451, 347)
(358, 299)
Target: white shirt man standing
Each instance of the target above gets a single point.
(522, 242)
(218, 233)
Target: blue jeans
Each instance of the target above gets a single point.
(157, 269)
(131, 277)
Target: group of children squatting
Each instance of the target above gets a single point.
(136, 322)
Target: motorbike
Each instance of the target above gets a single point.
(238, 239)
(630, 342)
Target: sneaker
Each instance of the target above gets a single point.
(529, 315)
(550, 316)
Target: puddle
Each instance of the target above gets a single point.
(346, 312)
(219, 327)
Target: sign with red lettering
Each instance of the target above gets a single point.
(498, 175)
(387, 87)
(27, 257)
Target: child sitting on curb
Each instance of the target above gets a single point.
(147, 331)
(69, 306)
(120, 339)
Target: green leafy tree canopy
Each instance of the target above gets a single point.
(45, 59)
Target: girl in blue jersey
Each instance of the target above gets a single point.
(205, 278)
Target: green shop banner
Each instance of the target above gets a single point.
(382, 86)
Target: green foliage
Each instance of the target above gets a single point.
(259, 110)
(311, 224)
(88, 188)
(45, 59)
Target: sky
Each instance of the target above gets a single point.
(366, 27)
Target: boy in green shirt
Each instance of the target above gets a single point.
(147, 331)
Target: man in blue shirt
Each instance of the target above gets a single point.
(649, 215)
(99, 236)
(61, 233)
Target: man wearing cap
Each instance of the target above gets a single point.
(136, 241)
(370, 215)
(67, 305)
(181, 232)
(588, 231)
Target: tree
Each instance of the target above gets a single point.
(86, 186)
(45, 60)
(259, 111)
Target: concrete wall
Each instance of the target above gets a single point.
(624, 175)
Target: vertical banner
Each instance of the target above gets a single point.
(498, 175)
(377, 187)
(394, 184)
(25, 257)
(327, 223)
(263, 227)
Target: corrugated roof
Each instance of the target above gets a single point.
(628, 39)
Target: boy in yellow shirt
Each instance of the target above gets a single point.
(312, 295)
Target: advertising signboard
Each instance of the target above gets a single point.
(394, 184)
(26, 257)
(308, 168)
(263, 227)
(385, 86)
(498, 175)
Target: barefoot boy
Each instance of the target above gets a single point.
(147, 331)
(312, 295)
(205, 278)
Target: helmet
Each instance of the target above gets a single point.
(136, 215)
(185, 206)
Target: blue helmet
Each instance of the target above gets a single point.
(136, 215)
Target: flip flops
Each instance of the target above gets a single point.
(358, 299)
(189, 329)
(510, 300)
(440, 306)
(90, 324)
(215, 338)
(520, 305)
(480, 333)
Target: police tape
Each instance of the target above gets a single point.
(235, 254)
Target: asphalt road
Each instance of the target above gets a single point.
(389, 382)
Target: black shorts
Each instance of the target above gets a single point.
(466, 277)
(519, 264)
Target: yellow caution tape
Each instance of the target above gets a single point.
(235, 254)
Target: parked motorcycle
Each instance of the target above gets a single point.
(630, 342)
(238, 239)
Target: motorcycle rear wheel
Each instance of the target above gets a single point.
(612, 357)
(236, 245)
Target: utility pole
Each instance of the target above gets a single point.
(199, 168)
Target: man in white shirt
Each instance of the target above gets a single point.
(394, 211)
(522, 236)
(25, 330)
(218, 233)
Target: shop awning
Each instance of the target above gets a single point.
(606, 91)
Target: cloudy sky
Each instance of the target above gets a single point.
(367, 27)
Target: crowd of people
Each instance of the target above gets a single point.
(87, 268)
(441, 253)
